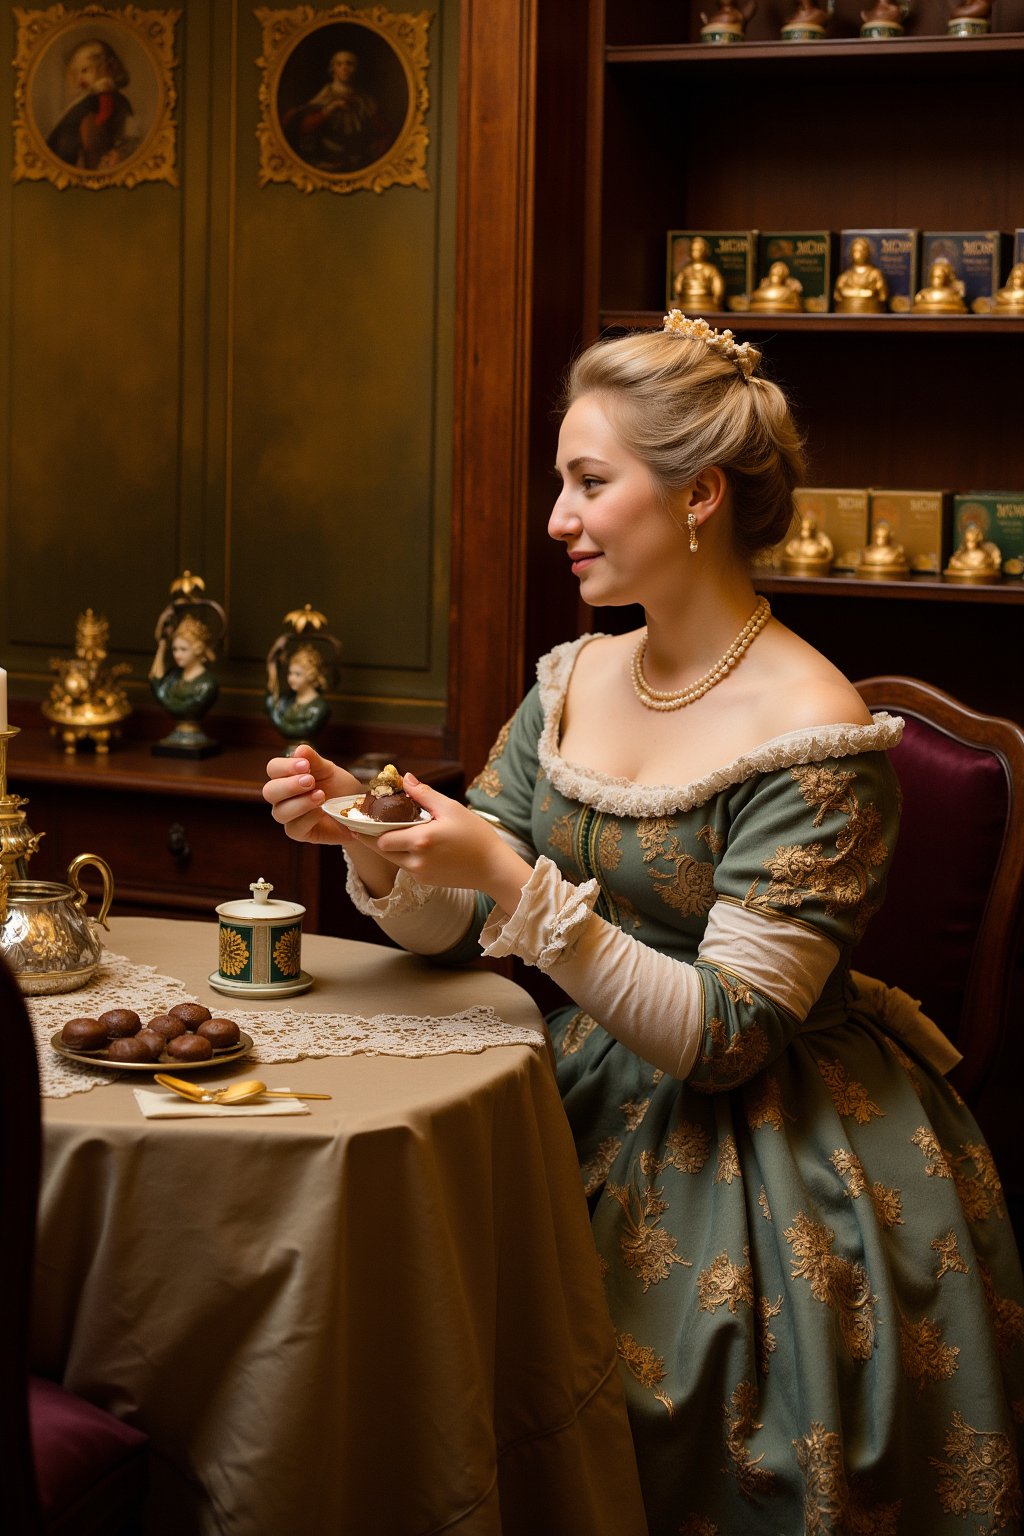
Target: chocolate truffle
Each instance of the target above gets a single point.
(154, 1042)
(84, 1035)
(119, 1022)
(129, 1048)
(386, 800)
(189, 1047)
(221, 1033)
(164, 1025)
(190, 1014)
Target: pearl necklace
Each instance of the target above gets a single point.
(653, 698)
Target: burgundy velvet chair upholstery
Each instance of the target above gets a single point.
(949, 928)
(69, 1467)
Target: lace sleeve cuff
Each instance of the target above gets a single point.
(548, 921)
(406, 895)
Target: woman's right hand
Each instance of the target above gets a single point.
(296, 789)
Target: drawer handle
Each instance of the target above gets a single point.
(177, 844)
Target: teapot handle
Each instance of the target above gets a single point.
(81, 897)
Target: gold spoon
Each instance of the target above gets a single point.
(234, 1093)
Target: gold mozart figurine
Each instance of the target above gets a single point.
(807, 23)
(884, 19)
(1010, 298)
(860, 289)
(809, 552)
(944, 293)
(975, 559)
(698, 285)
(727, 23)
(883, 560)
(777, 290)
(87, 701)
(969, 18)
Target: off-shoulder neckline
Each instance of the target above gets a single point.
(622, 797)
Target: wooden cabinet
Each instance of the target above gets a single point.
(181, 836)
(922, 132)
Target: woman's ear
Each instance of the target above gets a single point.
(706, 492)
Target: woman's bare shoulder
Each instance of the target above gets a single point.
(800, 688)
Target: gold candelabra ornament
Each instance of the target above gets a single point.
(87, 702)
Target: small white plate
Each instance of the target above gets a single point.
(341, 805)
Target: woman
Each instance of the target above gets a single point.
(814, 1286)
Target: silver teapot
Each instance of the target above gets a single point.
(47, 938)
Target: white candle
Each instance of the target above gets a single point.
(3, 700)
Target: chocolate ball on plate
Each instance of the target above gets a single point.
(130, 1048)
(119, 1022)
(153, 1042)
(84, 1035)
(164, 1025)
(221, 1033)
(190, 1014)
(189, 1047)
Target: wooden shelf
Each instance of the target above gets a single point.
(915, 589)
(830, 324)
(1000, 49)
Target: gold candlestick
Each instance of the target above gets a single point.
(17, 840)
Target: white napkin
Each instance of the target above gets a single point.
(162, 1104)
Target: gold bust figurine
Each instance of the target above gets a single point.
(969, 18)
(883, 560)
(944, 293)
(860, 288)
(807, 23)
(699, 285)
(884, 19)
(727, 22)
(1010, 298)
(777, 290)
(975, 558)
(809, 552)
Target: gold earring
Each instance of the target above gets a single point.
(691, 523)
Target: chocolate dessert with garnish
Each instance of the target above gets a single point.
(386, 800)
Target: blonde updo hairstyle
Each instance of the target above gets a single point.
(681, 407)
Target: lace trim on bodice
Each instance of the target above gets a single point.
(613, 796)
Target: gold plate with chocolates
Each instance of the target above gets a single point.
(101, 1059)
(185, 1036)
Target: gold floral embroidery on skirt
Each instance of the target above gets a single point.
(728, 1161)
(753, 1479)
(923, 1354)
(829, 1505)
(762, 1201)
(576, 1031)
(980, 1191)
(766, 1340)
(888, 1202)
(596, 1168)
(634, 1111)
(1007, 1314)
(687, 1149)
(980, 1477)
(731, 1060)
(839, 1283)
(724, 1284)
(645, 1246)
(849, 1097)
(647, 1367)
(936, 1165)
(762, 1101)
(950, 1259)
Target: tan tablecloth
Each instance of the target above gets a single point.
(381, 1319)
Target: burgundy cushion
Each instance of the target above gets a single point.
(90, 1468)
(955, 804)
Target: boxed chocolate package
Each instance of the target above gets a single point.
(841, 514)
(920, 522)
(974, 256)
(808, 255)
(1000, 515)
(894, 253)
(730, 250)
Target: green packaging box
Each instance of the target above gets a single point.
(808, 255)
(731, 251)
(920, 522)
(1001, 517)
(1018, 246)
(973, 254)
(894, 253)
(840, 513)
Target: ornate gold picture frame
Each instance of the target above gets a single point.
(343, 98)
(94, 96)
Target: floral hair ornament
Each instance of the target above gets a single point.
(723, 342)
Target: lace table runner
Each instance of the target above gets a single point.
(281, 1034)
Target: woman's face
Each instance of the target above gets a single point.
(185, 650)
(300, 674)
(623, 543)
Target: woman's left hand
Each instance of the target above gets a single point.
(456, 848)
